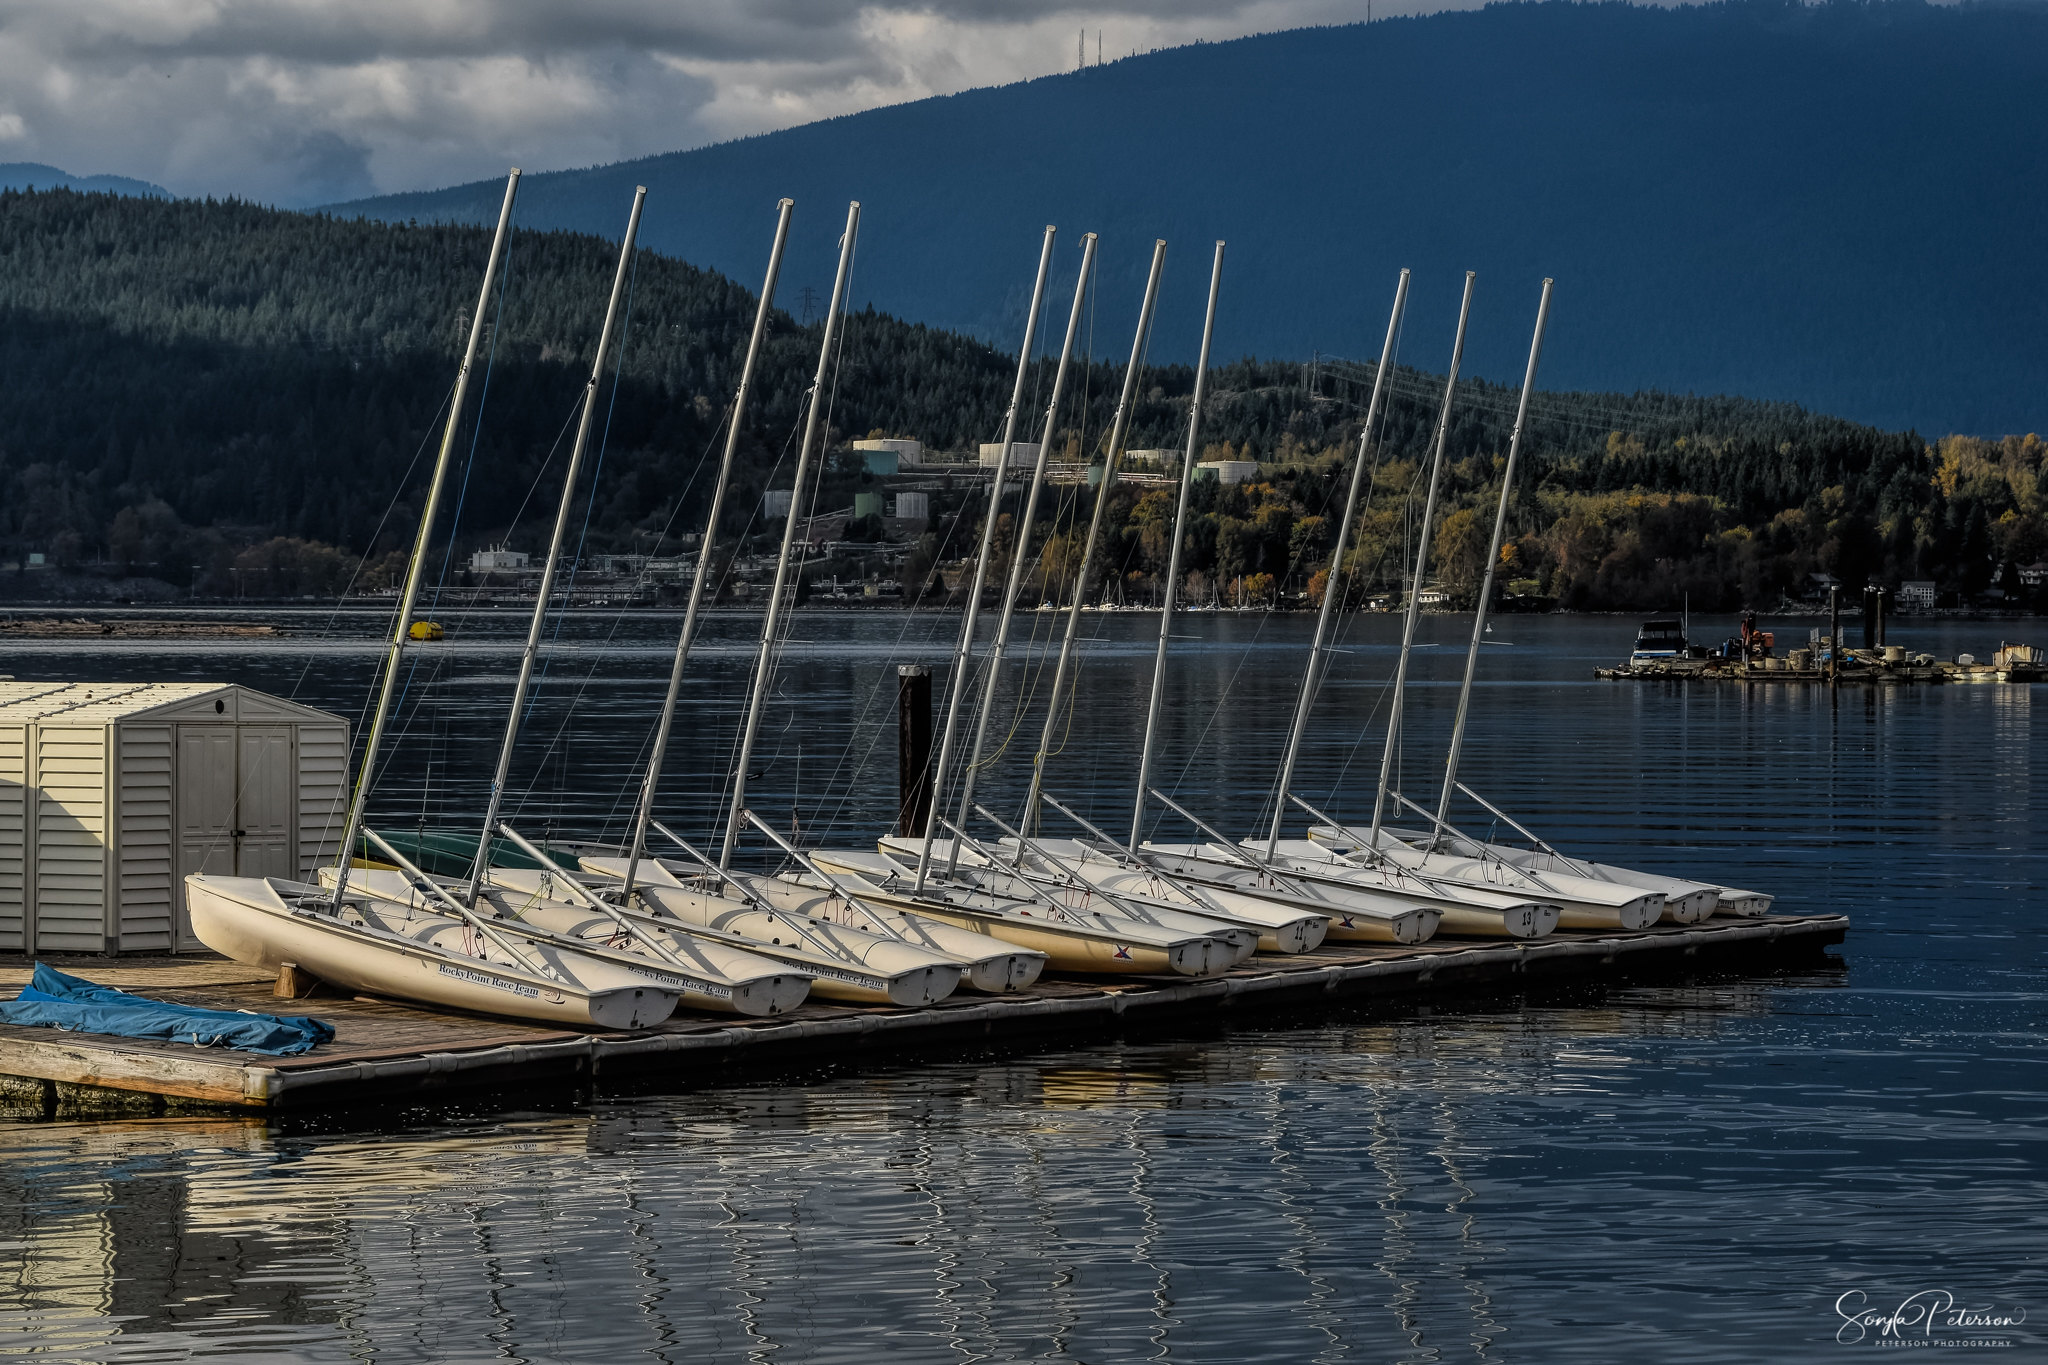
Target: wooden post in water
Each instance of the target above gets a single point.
(1834, 635)
(1869, 616)
(1880, 618)
(913, 749)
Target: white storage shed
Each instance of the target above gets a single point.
(111, 792)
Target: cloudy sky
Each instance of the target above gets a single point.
(309, 101)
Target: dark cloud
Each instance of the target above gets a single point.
(309, 101)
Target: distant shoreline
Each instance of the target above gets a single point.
(65, 620)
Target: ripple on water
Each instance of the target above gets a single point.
(1689, 1171)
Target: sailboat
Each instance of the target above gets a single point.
(1582, 904)
(1090, 936)
(356, 941)
(1365, 903)
(1080, 934)
(815, 896)
(708, 971)
(1593, 896)
(1689, 902)
(1288, 921)
(840, 963)
(1029, 881)
(365, 943)
(856, 950)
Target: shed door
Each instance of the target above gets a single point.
(206, 814)
(206, 799)
(237, 793)
(267, 792)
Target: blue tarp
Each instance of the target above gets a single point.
(54, 1000)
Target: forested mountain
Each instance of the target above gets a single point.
(196, 387)
(33, 175)
(1838, 204)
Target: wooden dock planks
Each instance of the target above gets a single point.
(387, 1051)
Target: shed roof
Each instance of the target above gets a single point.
(100, 703)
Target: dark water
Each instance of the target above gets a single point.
(1688, 1170)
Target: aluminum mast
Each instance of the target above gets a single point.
(1028, 822)
(956, 686)
(415, 570)
(992, 664)
(1436, 470)
(1333, 589)
(1500, 522)
(652, 781)
(1180, 512)
(764, 661)
(547, 574)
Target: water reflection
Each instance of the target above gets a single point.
(1300, 1191)
(1679, 1170)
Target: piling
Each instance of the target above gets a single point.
(1870, 596)
(913, 749)
(1834, 635)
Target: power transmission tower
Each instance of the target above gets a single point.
(807, 302)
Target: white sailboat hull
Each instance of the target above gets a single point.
(1684, 902)
(1468, 912)
(1583, 903)
(707, 974)
(987, 964)
(1739, 904)
(262, 922)
(1007, 883)
(861, 968)
(1356, 914)
(1281, 927)
(1089, 941)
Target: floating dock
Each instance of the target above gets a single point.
(1855, 671)
(386, 1051)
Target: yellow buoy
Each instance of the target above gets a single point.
(425, 630)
